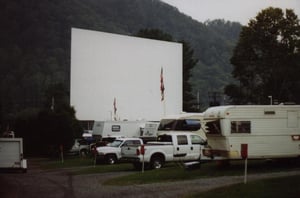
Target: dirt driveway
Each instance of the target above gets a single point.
(59, 183)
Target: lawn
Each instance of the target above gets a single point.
(276, 187)
(287, 187)
(176, 172)
(83, 165)
(171, 172)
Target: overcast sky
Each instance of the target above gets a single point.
(233, 10)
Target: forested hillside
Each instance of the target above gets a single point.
(36, 35)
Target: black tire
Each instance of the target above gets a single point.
(111, 159)
(157, 162)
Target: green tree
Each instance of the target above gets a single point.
(44, 130)
(189, 102)
(188, 64)
(266, 59)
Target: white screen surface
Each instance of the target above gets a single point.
(108, 66)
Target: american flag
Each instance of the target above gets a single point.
(162, 86)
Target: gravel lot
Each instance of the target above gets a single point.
(60, 184)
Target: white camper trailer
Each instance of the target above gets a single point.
(185, 122)
(106, 129)
(269, 132)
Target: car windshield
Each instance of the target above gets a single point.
(115, 143)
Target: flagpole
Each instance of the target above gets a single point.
(162, 91)
(115, 109)
(164, 103)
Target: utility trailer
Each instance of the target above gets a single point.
(146, 130)
(11, 154)
(268, 131)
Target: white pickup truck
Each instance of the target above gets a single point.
(111, 153)
(172, 146)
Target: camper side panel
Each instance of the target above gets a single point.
(269, 131)
(264, 147)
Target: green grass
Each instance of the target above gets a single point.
(277, 187)
(174, 172)
(287, 187)
(83, 165)
(67, 163)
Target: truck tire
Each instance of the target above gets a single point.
(157, 162)
(111, 159)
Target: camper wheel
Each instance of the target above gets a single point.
(111, 159)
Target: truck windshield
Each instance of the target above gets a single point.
(115, 143)
(179, 125)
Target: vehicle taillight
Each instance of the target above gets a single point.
(137, 151)
(142, 149)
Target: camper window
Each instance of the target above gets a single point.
(166, 125)
(213, 127)
(187, 125)
(240, 127)
(115, 128)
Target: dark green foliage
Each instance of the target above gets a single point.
(189, 62)
(267, 59)
(44, 131)
(154, 34)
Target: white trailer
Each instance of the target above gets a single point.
(124, 129)
(184, 122)
(11, 154)
(268, 131)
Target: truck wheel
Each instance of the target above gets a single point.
(157, 162)
(111, 159)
